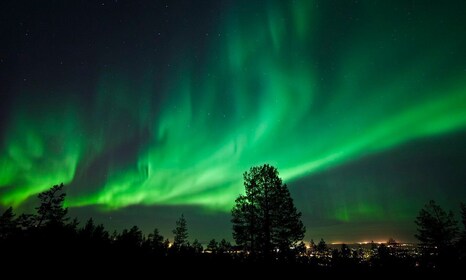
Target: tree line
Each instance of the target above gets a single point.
(267, 228)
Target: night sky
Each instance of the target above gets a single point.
(149, 109)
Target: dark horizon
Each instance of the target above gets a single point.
(266, 227)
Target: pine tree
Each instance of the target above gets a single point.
(437, 232)
(130, 239)
(212, 246)
(322, 246)
(180, 233)
(87, 232)
(155, 241)
(312, 246)
(197, 247)
(51, 210)
(436, 228)
(224, 246)
(265, 219)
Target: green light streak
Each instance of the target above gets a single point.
(38, 155)
(261, 97)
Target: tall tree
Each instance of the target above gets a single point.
(180, 233)
(436, 228)
(437, 231)
(265, 219)
(312, 245)
(51, 210)
(155, 241)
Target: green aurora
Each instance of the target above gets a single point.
(307, 86)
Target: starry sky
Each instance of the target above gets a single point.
(149, 109)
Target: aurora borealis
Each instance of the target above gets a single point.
(162, 105)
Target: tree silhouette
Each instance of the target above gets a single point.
(93, 232)
(94, 239)
(87, 232)
(154, 242)
(114, 236)
(437, 231)
(224, 246)
(212, 246)
(8, 224)
(436, 228)
(26, 221)
(197, 247)
(265, 219)
(51, 210)
(180, 233)
(312, 245)
(322, 246)
(130, 240)
(100, 234)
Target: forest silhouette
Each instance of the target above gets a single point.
(267, 229)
